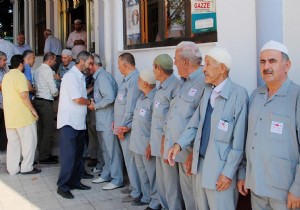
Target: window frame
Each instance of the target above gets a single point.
(205, 37)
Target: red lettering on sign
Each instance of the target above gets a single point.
(202, 5)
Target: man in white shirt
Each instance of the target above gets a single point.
(45, 92)
(77, 39)
(53, 44)
(71, 122)
(7, 48)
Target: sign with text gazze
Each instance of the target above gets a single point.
(203, 16)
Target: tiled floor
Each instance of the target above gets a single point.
(28, 192)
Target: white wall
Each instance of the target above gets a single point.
(291, 35)
(236, 31)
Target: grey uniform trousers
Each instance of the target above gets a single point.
(113, 167)
(135, 183)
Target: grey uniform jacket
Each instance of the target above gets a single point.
(105, 91)
(272, 148)
(164, 94)
(227, 134)
(125, 102)
(182, 108)
(141, 123)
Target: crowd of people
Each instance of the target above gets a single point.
(191, 143)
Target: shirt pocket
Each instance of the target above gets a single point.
(279, 127)
(280, 173)
(223, 137)
(121, 97)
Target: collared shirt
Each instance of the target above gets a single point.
(69, 112)
(272, 145)
(16, 113)
(8, 48)
(28, 75)
(228, 129)
(77, 35)
(105, 92)
(44, 83)
(20, 49)
(216, 92)
(182, 107)
(164, 94)
(125, 102)
(141, 123)
(53, 44)
(2, 72)
(64, 69)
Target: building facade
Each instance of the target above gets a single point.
(146, 28)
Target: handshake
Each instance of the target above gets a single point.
(91, 105)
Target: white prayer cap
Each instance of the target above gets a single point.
(273, 45)
(77, 21)
(66, 52)
(148, 76)
(221, 55)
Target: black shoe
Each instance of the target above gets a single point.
(86, 175)
(139, 203)
(34, 171)
(48, 160)
(81, 187)
(92, 163)
(149, 208)
(63, 194)
(54, 157)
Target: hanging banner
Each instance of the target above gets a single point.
(203, 16)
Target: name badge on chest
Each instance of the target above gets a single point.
(156, 104)
(192, 92)
(223, 125)
(120, 97)
(142, 112)
(276, 127)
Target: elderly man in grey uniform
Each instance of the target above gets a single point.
(105, 92)
(272, 148)
(140, 140)
(163, 71)
(127, 96)
(218, 131)
(188, 60)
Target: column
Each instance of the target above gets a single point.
(15, 19)
(26, 21)
(31, 24)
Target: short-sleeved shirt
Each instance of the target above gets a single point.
(69, 112)
(16, 113)
(2, 72)
(28, 75)
(125, 102)
(182, 107)
(141, 123)
(20, 49)
(164, 94)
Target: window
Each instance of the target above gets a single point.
(157, 23)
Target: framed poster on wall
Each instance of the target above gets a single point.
(133, 18)
(203, 16)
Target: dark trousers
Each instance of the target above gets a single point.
(45, 128)
(71, 148)
(3, 137)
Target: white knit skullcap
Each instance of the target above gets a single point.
(273, 45)
(148, 76)
(221, 55)
(66, 52)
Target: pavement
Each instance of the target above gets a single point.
(32, 192)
